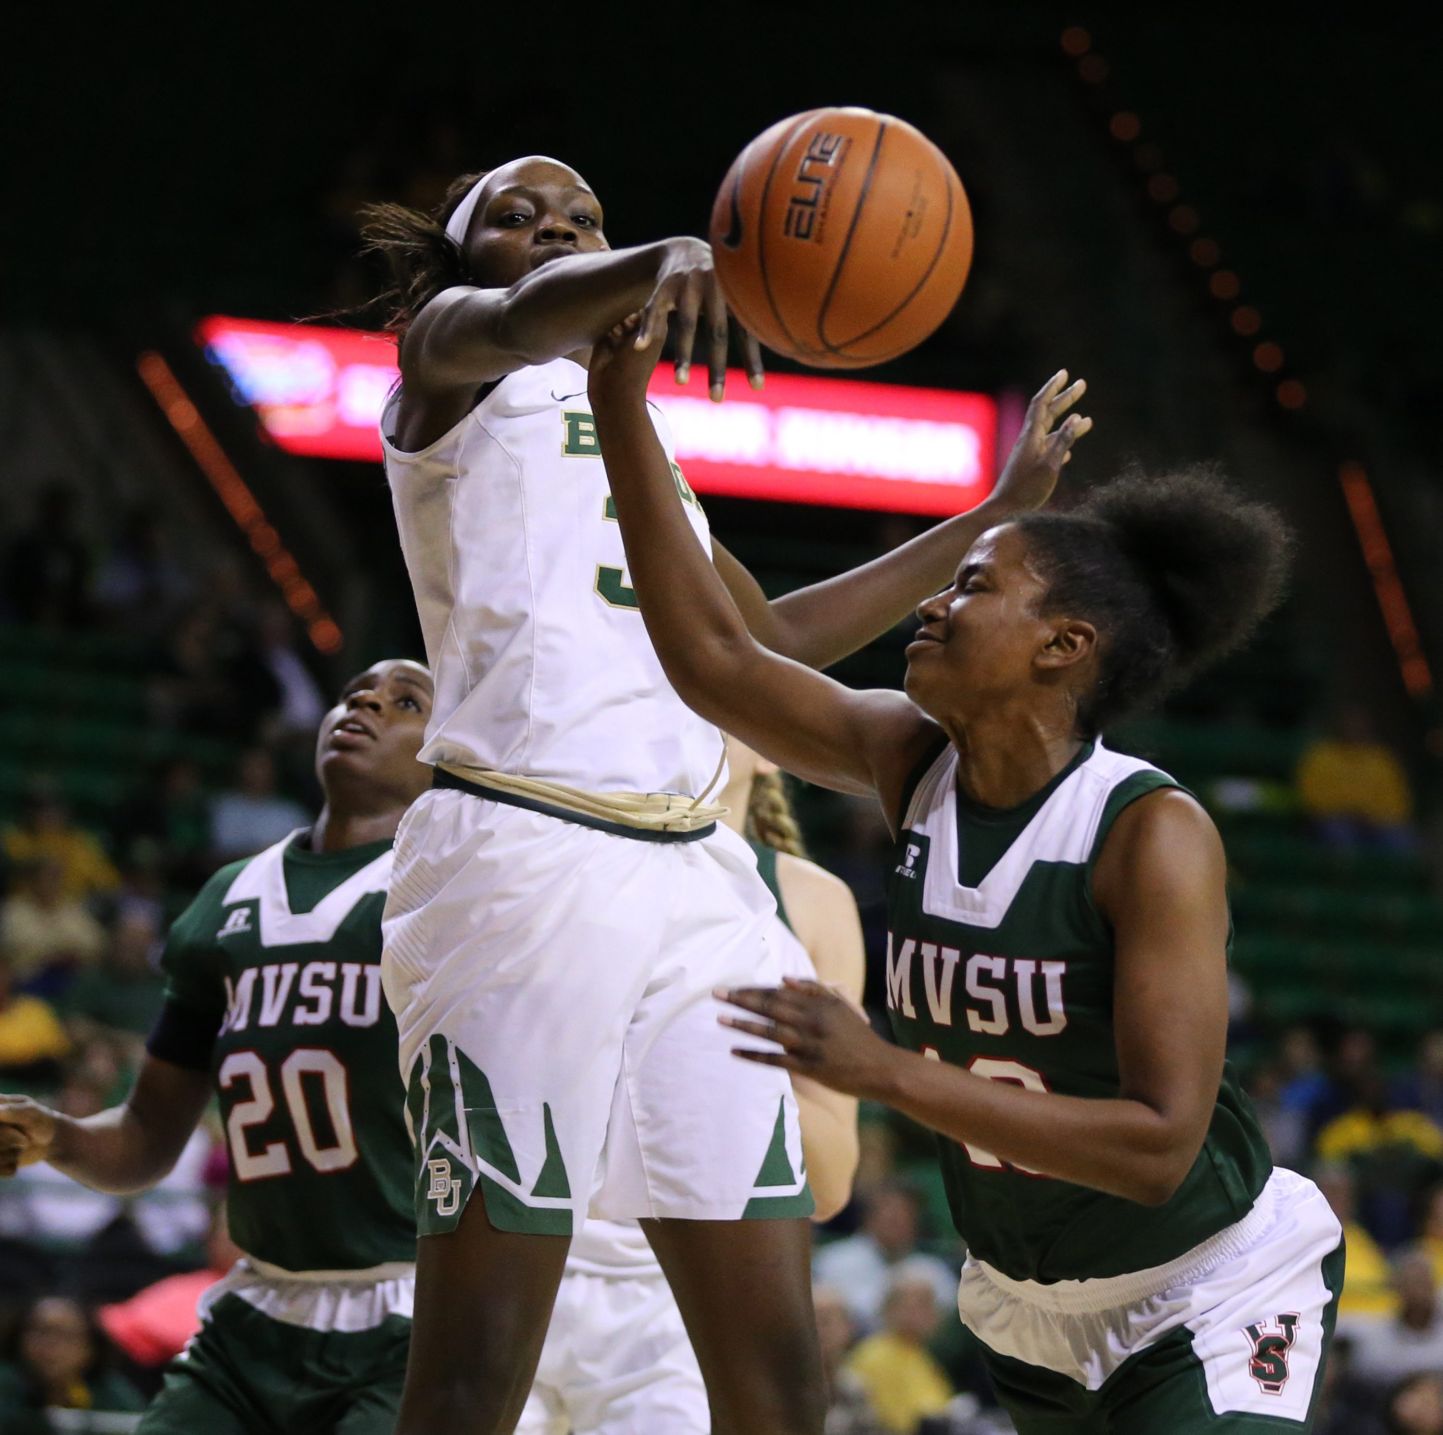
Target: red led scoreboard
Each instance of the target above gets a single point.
(843, 443)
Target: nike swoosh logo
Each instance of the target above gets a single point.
(733, 237)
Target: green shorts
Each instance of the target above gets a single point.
(246, 1374)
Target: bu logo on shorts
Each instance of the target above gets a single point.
(444, 1191)
(1268, 1364)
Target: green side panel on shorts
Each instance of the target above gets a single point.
(444, 1176)
(488, 1136)
(450, 1167)
(508, 1212)
(777, 1170)
(552, 1180)
(776, 1164)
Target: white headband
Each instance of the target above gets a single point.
(460, 220)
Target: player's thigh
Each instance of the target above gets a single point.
(373, 1409)
(483, 1299)
(194, 1400)
(516, 949)
(696, 1133)
(1169, 1388)
(373, 1399)
(1041, 1401)
(744, 1291)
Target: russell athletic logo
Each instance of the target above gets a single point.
(238, 921)
(1268, 1364)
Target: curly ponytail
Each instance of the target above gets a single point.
(1174, 571)
(770, 819)
(421, 259)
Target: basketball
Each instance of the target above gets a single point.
(842, 237)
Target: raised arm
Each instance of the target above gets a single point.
(1160, 884)
(826, 621)
(123, 1150)
(806, 723)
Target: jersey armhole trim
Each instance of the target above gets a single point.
(914, 778)
(389, 447)
(1132, 788)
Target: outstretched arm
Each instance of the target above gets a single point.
(1160, 884)
(855, 742)
(123, 1150)
(466, 336)
(821, 623)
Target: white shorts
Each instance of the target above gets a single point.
(617, 1361)
(1236, 1329)
(552, 986)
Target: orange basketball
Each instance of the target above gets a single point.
(842, 237)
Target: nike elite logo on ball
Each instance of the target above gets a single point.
(842, 237)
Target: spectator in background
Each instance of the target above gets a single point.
(46, 935)
(1430, 1232)
(59, 1359)
(1305, 1084)
(1423, 1088)
(251, 815)
(1416, 1406)
(140, 586)
(45, 830)
(861, 1266)
(47, 568)
(301, 703)
(171, 810)
(32, 1040)
(849, 1412)
(1392, 1153)
(1408, 1343)
(1367, 1280)
(153, 1326)
(903, 1382)
(122, 995)
(1354, 788)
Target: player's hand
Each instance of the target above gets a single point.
(820, 1034)
(687, 287)
(621, 365)
(27, 1133)
(1043, 446)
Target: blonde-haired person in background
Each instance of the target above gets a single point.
(617, 1358)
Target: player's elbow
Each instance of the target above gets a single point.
(1158, 1176)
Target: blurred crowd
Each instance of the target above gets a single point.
(97, 1292)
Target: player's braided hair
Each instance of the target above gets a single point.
(770, 819)
(1173, 570)
(421, 259)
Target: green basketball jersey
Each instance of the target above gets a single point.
(282, 952)
(998, 961)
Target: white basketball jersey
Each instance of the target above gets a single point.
(542, 662)
(619, 1248)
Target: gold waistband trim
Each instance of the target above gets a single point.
(645, 811)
